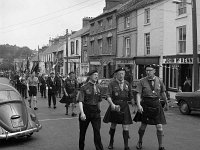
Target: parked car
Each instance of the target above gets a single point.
(188, 101)
(104, 85)
(16, 120)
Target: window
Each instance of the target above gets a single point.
(127, 47)
(100, 42)
(85, 41)
(182, 7)
(182, 39)
(147, 16)
(109, 40)
(72, 47)
(173, 76)
(109, 23)
(100, 22)
(147, 43)
(92, 47)
(77, 46)
(85, 56)
(127, 21)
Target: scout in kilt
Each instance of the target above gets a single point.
(70, 92)
(118, 95)
(149, 91)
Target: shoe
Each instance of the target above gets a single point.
(161, 148)
(66, 114)
(110, 147)
(139, 145)
(127, 148)
(54, 107)
(73, 114)
(35, 108)
(30, 106)
(49, 106)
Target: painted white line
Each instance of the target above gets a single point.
(58, 119)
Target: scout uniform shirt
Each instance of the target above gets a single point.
(145, 89)
(90, 94)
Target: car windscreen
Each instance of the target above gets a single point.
(9, 95)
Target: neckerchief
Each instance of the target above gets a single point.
(121, 84)
(94, 84)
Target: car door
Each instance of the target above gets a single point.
(196, 100)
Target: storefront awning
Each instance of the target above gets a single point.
(147, 60)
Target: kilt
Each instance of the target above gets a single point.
(68, 100)
(153, 113)
(122, 117)
(32, 91)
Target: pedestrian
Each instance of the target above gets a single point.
(59, 79)
(70, 92)
(118, 95)
(43, 83)
(150, 90)
(32, 83)
(23, 83)
(52, 89)
(187, 87)
(89, 103)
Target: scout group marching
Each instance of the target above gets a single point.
(150, 111)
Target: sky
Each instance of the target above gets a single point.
(32, 23)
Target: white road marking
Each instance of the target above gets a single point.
(58, 119)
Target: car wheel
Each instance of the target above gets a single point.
(184, 108)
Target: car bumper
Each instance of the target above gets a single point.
(8, 135)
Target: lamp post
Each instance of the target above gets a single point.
(194, 34)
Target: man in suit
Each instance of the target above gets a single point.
(52, 84)
(43, 86)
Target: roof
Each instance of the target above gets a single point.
(136, 4)
(108, 11)
(54, 48)
(80, 32)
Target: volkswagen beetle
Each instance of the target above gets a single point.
(16, 119)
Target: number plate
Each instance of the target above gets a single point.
(17, 123)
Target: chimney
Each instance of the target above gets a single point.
(50, 42)
(86, 21)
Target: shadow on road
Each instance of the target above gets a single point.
(15, 142)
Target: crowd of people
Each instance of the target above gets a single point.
(150, 89)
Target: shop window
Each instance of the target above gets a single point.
(173, 77)
(182, 39)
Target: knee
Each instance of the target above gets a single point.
(125, 127)
(113, 125)
(143, 126)
(159, 127)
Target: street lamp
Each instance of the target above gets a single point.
(194, 34)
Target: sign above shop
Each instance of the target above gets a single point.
(178, 60)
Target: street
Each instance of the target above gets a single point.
(61, 132)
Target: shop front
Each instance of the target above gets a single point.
(176, 69)
(141, 62)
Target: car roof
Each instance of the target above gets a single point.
(4, 80)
